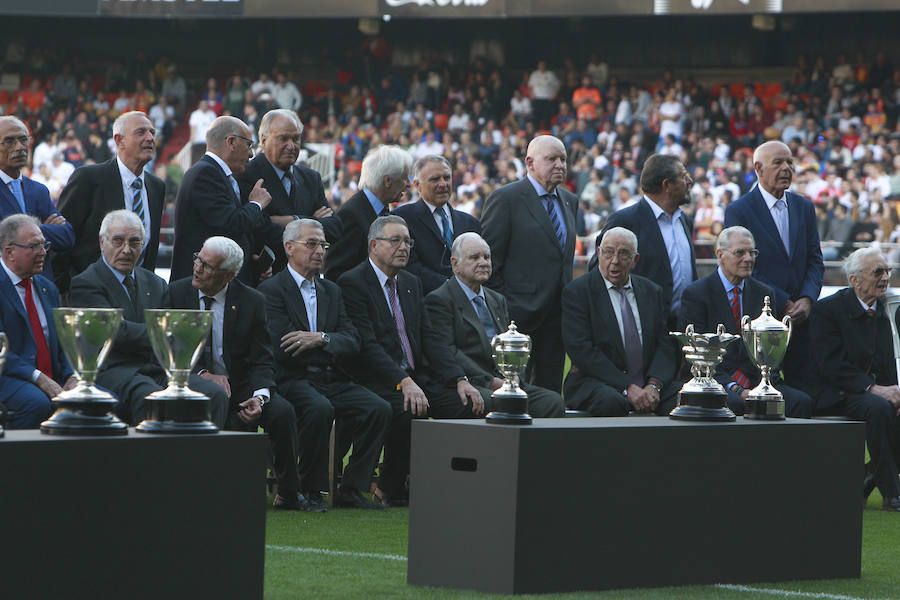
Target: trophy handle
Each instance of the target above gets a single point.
(745, 331)
(789, 323)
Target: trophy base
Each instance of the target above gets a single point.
(510, 407)
(505, 418)
(702, 406)
(766, 408)
(84, 410)
(181, 413)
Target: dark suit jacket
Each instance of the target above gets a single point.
(21, 355)
(792, 277)
(591, 332)
(287, 312)
(529, 267)
(306, 197)
(429, 259)
(705, 304)
(246, 350)
(457, 326)
(93, 191)
(356, 217)
(378, 366)
(38, 204)
(206, 206)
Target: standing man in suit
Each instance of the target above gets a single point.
(432, 222)
(95, 190)
(530, 227)
(36, 369)
(296, 191)
(398, 341)
(239, 359)
(131, 370)
(614, 329)
(209, 200)
(725, 296)
(311, 332)
(790, 259)
(663, 231)
(853, 361)
(383, 179)
(466, 315)
(19, 194)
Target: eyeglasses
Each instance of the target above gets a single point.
(312, 244)
(622, 255)
(133, 243)
(35, 247)
(205, 265)
(395, 241)
(742, 252)
(12, 142)
(882, 271)
(249, 141)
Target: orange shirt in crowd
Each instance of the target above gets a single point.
(591, 99)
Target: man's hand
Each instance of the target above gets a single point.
(281, 220)
(322, 212)
(265, 274)
(745, 393)
(48, 386)
(496, 384)
(259, 194)
(71, 382)
(295, 342)
(219, 380)
(891, 393)
(639, 398)
(467, 391)
(251, 409)
(414, 399)
(55, 219)
(653, 394)
(799, 309)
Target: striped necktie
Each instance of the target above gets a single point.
(137, 205)
(555, 219)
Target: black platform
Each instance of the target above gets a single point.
(591, 504)
(140, 516)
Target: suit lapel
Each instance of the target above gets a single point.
(324, 304)
(467, 314)
(377, 292)
(645, 310)
(296, 310)
(761, 210)
(410, 310)
(795, 217)
(424, 214)
(8, 203)
(607, 314)
(12, 296)
(536, 207)
(649, 223)
(721, 304)
(131, 312)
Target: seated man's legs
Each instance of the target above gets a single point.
(797, 403)
(596, 397)
(444, 402)
(543, 402)
(29, 404)
(394, 470)
(132, 389)
(314, 418)
(218, 400)
(879, 415)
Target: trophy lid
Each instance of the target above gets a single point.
(511, 338)
(765, 321)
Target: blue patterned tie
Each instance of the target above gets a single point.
(15, 187)
(137, 205)
(448, 235)
(234, 186)
(484, 316)
(555, 220)
(634, 353)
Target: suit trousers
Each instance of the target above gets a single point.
(796, 403)
(541, 403)
(28, 405)
(603, 400)
(548, 356)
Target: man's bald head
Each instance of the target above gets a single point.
(546, 161)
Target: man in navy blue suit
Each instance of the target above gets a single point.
(19, 194)
(36, 368)
(790, 256)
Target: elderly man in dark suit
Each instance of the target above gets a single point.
(296, 191)
(433, 223)
(530, 227)
(120, 183)
(725, 296)
(614, 329)
(854, 366)
(466, 315)
(131, 370)
(383, 180)
(209, 200)
(36, 368)
(402, 358)
(238, 357)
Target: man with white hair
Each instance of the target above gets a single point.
(853, 363)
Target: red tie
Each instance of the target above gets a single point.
(738, 377)
(43, 353)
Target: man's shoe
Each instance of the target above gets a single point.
(352, 498)
(891, 504)
(868, 486)
(316, 504)
(394, 501)
(291, 502)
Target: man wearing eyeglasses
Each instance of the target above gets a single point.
(36, 368)
(725, 296)
(209, 200)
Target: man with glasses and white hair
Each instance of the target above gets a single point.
(36, 368)
(131, 370)
(725, 296)
(209, 200)
(853, 362)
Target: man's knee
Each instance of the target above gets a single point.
(28, 409)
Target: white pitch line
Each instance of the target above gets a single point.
(337, 552)
(785, 593)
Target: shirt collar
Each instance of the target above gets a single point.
(468, 291)
(381, 275)
(374, 201)
(118, 275)
(865, 306)
(611, 286)
(433, 208)
(769, 198)
(6, 178)
(278, 171)
(657, 210)
(219, 298)
(12, 276)
(300, 279)
(727, 284)
(538, 188)
(221, 163)
(125, 173)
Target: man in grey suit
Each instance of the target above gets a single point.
(530, 227)
(131, 370)
(466, 315)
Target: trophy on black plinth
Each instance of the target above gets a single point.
(2, 363)
(511, 351)
(177, 337)
(86, 335)
(767, 340)
(703, 398)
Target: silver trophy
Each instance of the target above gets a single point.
(767, 340)
(177, 337)
(86, 335)
(3, 346)
(703, 398)
(511, 351)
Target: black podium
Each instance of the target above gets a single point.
(591, 504)
(140, 516)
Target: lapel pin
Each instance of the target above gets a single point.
(233, 307)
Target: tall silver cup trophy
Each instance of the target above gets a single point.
(3, 345)
(703, 398)
(86, 335)
(511, 351)
(177, 337)
(767, 341)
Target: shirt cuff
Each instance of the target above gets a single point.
(264, 392)
(35, 375)
(256, 203)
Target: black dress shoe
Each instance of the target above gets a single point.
(868, 486)
(316, 503)
(891, 504)
(394, 501)
(291, 502)
(352, 498)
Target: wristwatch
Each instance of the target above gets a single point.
(655, 387)
(463, 378)
(326, 338)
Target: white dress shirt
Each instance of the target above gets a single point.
(614, 299)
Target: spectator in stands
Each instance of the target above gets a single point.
(174, 88)
(163, 117)
(286, 94)
(520, 107)
(263, 85)
(543, 86)
(200, 121)
(586, 100)
(233, 101)
(459, 120)
(61, 169)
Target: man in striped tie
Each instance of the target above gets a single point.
(724, 296)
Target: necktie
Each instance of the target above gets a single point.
(445, 223)
(484, 316)
(391, 285)
(286, 182)
(207, 350)
(44, 364)
(385, 211)
(738, 377)
(555, 220)
(634, 353)
(128, 282)
(15, 186)
(234, 186)
(870, 312)
(781, 222)
(137, 205)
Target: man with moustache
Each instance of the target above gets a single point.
(95, 190)
(36, 369)
(530, 227)
(296, 191)
(19, 194)
(432, 222)
(209, 200)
